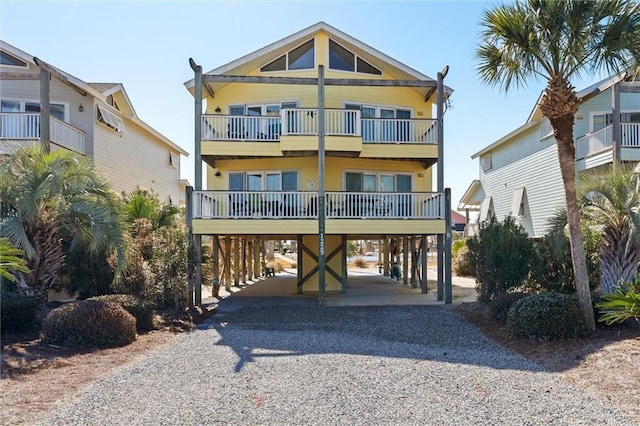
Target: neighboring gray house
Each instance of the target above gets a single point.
(520, 173)
(93, 119)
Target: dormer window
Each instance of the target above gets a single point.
(343, 60)
(7, 59)
(300, 58)
(109, 119)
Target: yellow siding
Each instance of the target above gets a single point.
(384, 227)
(307, 168)
(266, 149)
(310, 143)
(254, 227)
(399, 151)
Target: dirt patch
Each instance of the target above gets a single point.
(605, 364)
(37, 378)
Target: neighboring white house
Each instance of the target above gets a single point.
(94, 119)
(520, 173)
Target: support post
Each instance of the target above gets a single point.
(189, 220)
(423, 282)
(386, 256)
(321, 201)
(215, 258)
(236, 261)
(227, 263)
(45, 110)
(448, 291)
(615, 123)
(244, 260)
(197, 95)
(299, 257)
(344, 264)
(405, 260)
(197, 243)
(440, 118)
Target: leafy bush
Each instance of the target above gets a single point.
(545, 316)
(460, 265)
(501, 304)
(500, 257)
(89, 323)
(141, 310)
(17, 313)
(553, 271)
(620, 306)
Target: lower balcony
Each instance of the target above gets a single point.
(25, 127)
(296, 212)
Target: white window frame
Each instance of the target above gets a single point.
(517, 204)
(378, 175)
(263, 174)
(110, 118)
(23, 102)
(379, 107)
(355, 60)
(286, 59)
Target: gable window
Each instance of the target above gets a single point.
(7, 59)
(300, 58)
(109, 119)
(343, 60)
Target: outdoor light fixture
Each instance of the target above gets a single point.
(80, 108)
(217, 109)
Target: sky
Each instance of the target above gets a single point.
(146, 46)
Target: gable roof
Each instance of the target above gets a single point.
(99, 91)
(254, 60)
(535, 116)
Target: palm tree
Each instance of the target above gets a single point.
(558, 41)
(612, 203)
(11, 260)
(50, 197)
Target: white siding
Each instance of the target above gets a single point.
(136, 160)
(602, 103)
(526, 162)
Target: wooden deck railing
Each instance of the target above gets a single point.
(304, 121)
(304, 205)
(602, 139)
(26, 126)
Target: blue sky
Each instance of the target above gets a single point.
(146, 46)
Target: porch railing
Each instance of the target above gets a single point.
(304, 205)
(602, 139)
(26, 126)
(304, 121)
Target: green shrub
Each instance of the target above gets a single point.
(141, 310)
(17, 313)
(545, 316)
(461, 266)
(500, 305)
(500, 257)
(553, 271)
(89, 323)
(620, 306)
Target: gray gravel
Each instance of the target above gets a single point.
(291, 362)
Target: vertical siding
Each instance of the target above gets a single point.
(137, 159)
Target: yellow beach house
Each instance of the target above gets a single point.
(320, 139)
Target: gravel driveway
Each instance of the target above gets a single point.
(287, 361)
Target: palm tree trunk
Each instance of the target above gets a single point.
(563, 129)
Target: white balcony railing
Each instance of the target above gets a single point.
(304, 121)
(26, 126)
(303, 205)
(602, 139)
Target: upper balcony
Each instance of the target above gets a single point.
(595, 148)
(296, 130)
(24, 127)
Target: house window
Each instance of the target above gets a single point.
(380, 130)
(109, 119)
(486, 209)
(300, 58)
(174, 159)
(343, 60)
(56, 110)
(485, 162)
(7, 59)
(600, 121)
(112, 102)
(376, 182)
(274, 180)
(518, 204)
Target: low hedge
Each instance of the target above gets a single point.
(545, 316)
(17, 312)
(501, 304)
(141, 310)
(89, 323)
